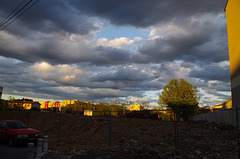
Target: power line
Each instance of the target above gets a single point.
(16, 13)
(13, 18)
(12, 12)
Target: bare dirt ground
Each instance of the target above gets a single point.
(88, 137)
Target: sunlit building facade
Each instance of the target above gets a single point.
(233, 28)
(136, 107)
(30, 104)
(49, 105)
(66, 102)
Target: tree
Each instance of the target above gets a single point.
(145, 105)
(180, 96)
(15, 104)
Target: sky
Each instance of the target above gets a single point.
(104, 50)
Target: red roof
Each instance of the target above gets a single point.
(28, 102)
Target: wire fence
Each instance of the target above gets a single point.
(186, 139)
(150, 134)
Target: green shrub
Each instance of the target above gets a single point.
(166, 116)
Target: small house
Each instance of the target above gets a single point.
(136, 107)
(88, 112)
(30, 104)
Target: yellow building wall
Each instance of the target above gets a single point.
(136, 107)
(27, 106)
(50, 104)
(218, 107)
(61, 105)
(229, 105)
(233, 28)
(66, 102)
(225, 105)
(42, 106)
(88, 113)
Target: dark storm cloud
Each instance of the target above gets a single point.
(19, 80)
(101, 93)
(187, 64)
(220, 86)
(211, 71)
(13, 67)
(109, 55)
(56, 16)
(15, 74)
(127, 79)
(124, 74)
(202, 39)
(16, 78)
(39, 34)
(62, 32)
(47, 16)
(151, 85)
(58, 49)
(215, 93)
(142, 13)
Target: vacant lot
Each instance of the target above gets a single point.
(129, 137)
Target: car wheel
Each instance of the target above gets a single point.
(10, 142)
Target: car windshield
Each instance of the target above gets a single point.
(17, 125)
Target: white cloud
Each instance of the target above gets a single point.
(67, 69)
(116, 43)
(59, 73)
(43, 67)
(137, 39)
(224, 64)
(68, 78)
(102, 41)
(140, 100)
(166, 30)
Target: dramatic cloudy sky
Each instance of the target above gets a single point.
(124, 50)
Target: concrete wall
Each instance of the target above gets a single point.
(226, 116)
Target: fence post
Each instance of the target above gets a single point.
(110, 129)
(45, 146)
(39, 148)
(176, 132)
(238, 132)
(30, 150)
(59, 129)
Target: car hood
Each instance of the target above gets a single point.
(24, 131)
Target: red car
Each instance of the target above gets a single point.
(14, 132)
